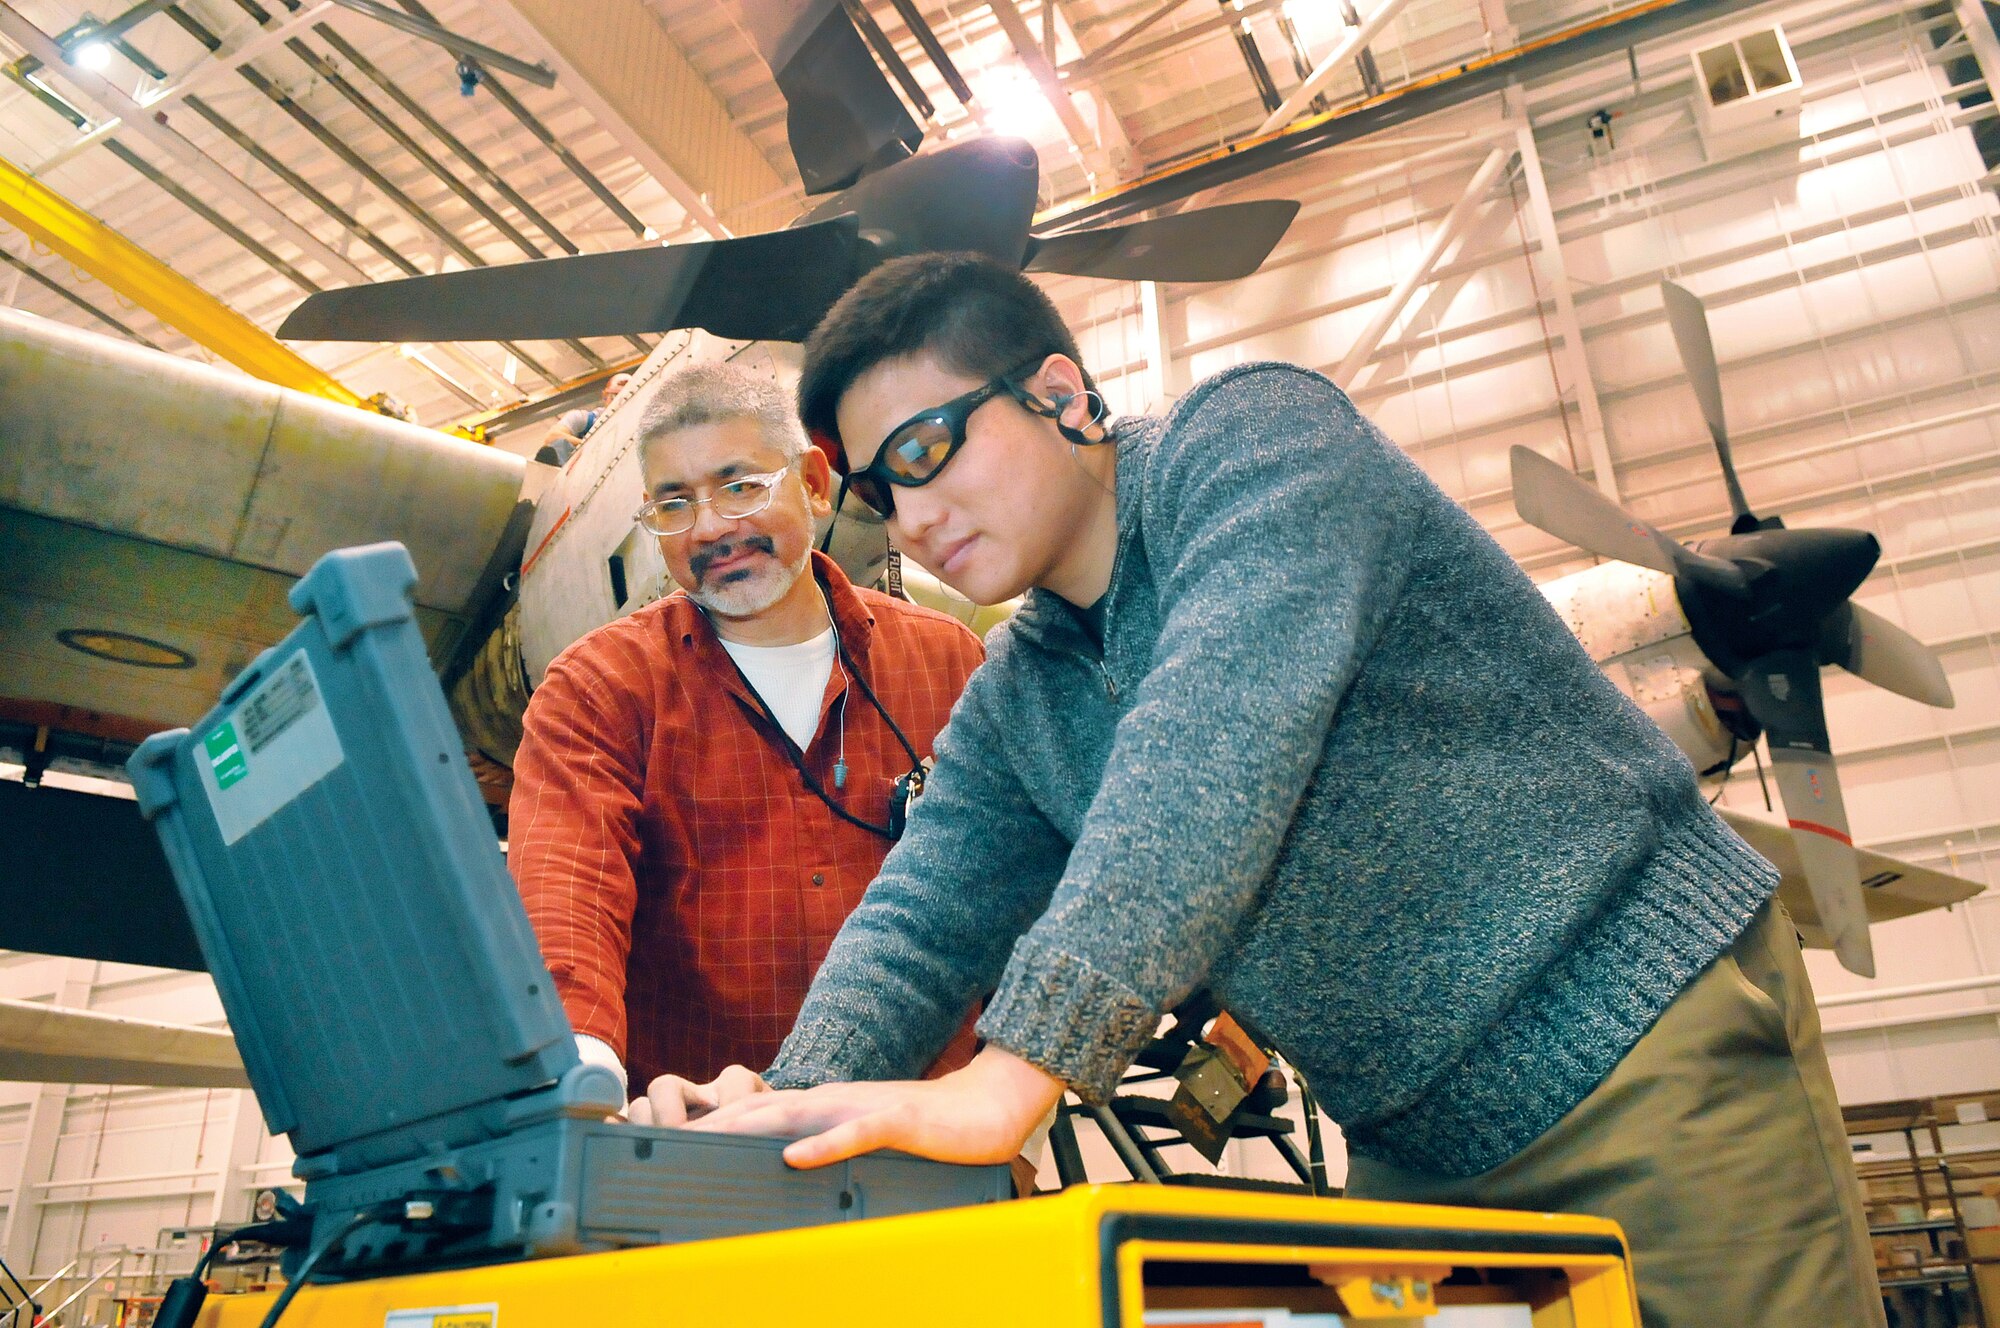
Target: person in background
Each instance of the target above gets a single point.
(566, 434)
(705, 786)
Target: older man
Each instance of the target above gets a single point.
(707, 785)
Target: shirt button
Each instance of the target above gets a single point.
(819, 878)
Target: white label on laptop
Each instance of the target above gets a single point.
(275, 746)
(445, 1316)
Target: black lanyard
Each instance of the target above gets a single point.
(907, 786)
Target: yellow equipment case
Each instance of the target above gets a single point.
(1117, 1256)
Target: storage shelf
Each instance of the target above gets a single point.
(1900, 1228)
(1929, 1277)
(1926, 1171)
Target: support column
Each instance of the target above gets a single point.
(1159, 358)
(1570, 354)
(38, 1144)
(239, 1161)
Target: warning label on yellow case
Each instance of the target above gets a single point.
(445, 1316)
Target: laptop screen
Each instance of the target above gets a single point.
(345, 883)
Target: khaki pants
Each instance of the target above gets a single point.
(1717, 1145)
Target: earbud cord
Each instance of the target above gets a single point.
(1076, 437)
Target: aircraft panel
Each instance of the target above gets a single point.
(68, 578)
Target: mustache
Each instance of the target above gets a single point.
(699, 563)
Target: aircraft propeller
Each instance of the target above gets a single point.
(848, 131)
(1769, 607)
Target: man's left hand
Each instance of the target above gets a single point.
(980, 1114)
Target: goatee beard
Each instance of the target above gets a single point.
(755, 593)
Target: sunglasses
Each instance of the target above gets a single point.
(917, 450)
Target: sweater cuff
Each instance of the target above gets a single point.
(1068, 1019)
(812, 1055)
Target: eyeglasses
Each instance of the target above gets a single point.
(917, 450)
(746, 495)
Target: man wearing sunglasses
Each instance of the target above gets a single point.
(1279, 719)
(705, 787)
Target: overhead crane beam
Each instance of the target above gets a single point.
(123, 266)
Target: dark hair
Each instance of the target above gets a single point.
(976, 316)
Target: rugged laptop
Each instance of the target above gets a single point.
(386, 991)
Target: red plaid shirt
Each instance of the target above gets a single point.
(683, 881)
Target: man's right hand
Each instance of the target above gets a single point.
(672, 1100)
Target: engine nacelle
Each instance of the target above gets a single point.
(1630, 621)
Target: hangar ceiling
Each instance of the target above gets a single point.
(267, 148)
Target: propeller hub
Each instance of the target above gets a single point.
(1796, 581)
(978, 196)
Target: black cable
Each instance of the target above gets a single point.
(792, 749)
(840, 499)
(1728, 769)
(215, 1245)
(1315, 1147)
(297, 1283)
(909, 749)
(181, 1305)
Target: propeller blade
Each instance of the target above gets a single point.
(759, 287)
(842, 118)
(1689, 322)
(1782, 690)
(1889, 657)
(1560, 502)
(1207, 244)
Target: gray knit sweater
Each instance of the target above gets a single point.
(1338, 761)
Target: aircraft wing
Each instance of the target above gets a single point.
(1891, 887)
(48, 1044)
(154, 512)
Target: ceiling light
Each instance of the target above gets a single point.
(1012, 103)
(94, 55)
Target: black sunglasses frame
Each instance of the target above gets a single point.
(954, 415)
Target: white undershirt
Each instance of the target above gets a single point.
(791, 679)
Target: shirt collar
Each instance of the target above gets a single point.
(851, 616)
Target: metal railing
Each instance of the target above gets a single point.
(52, 1317)
(12, 1316)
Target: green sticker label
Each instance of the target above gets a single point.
(277, 743)
(225, 756)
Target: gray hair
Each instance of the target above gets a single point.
(712, 393)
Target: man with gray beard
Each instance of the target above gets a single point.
(706, 786)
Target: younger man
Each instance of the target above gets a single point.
(1280, 719)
